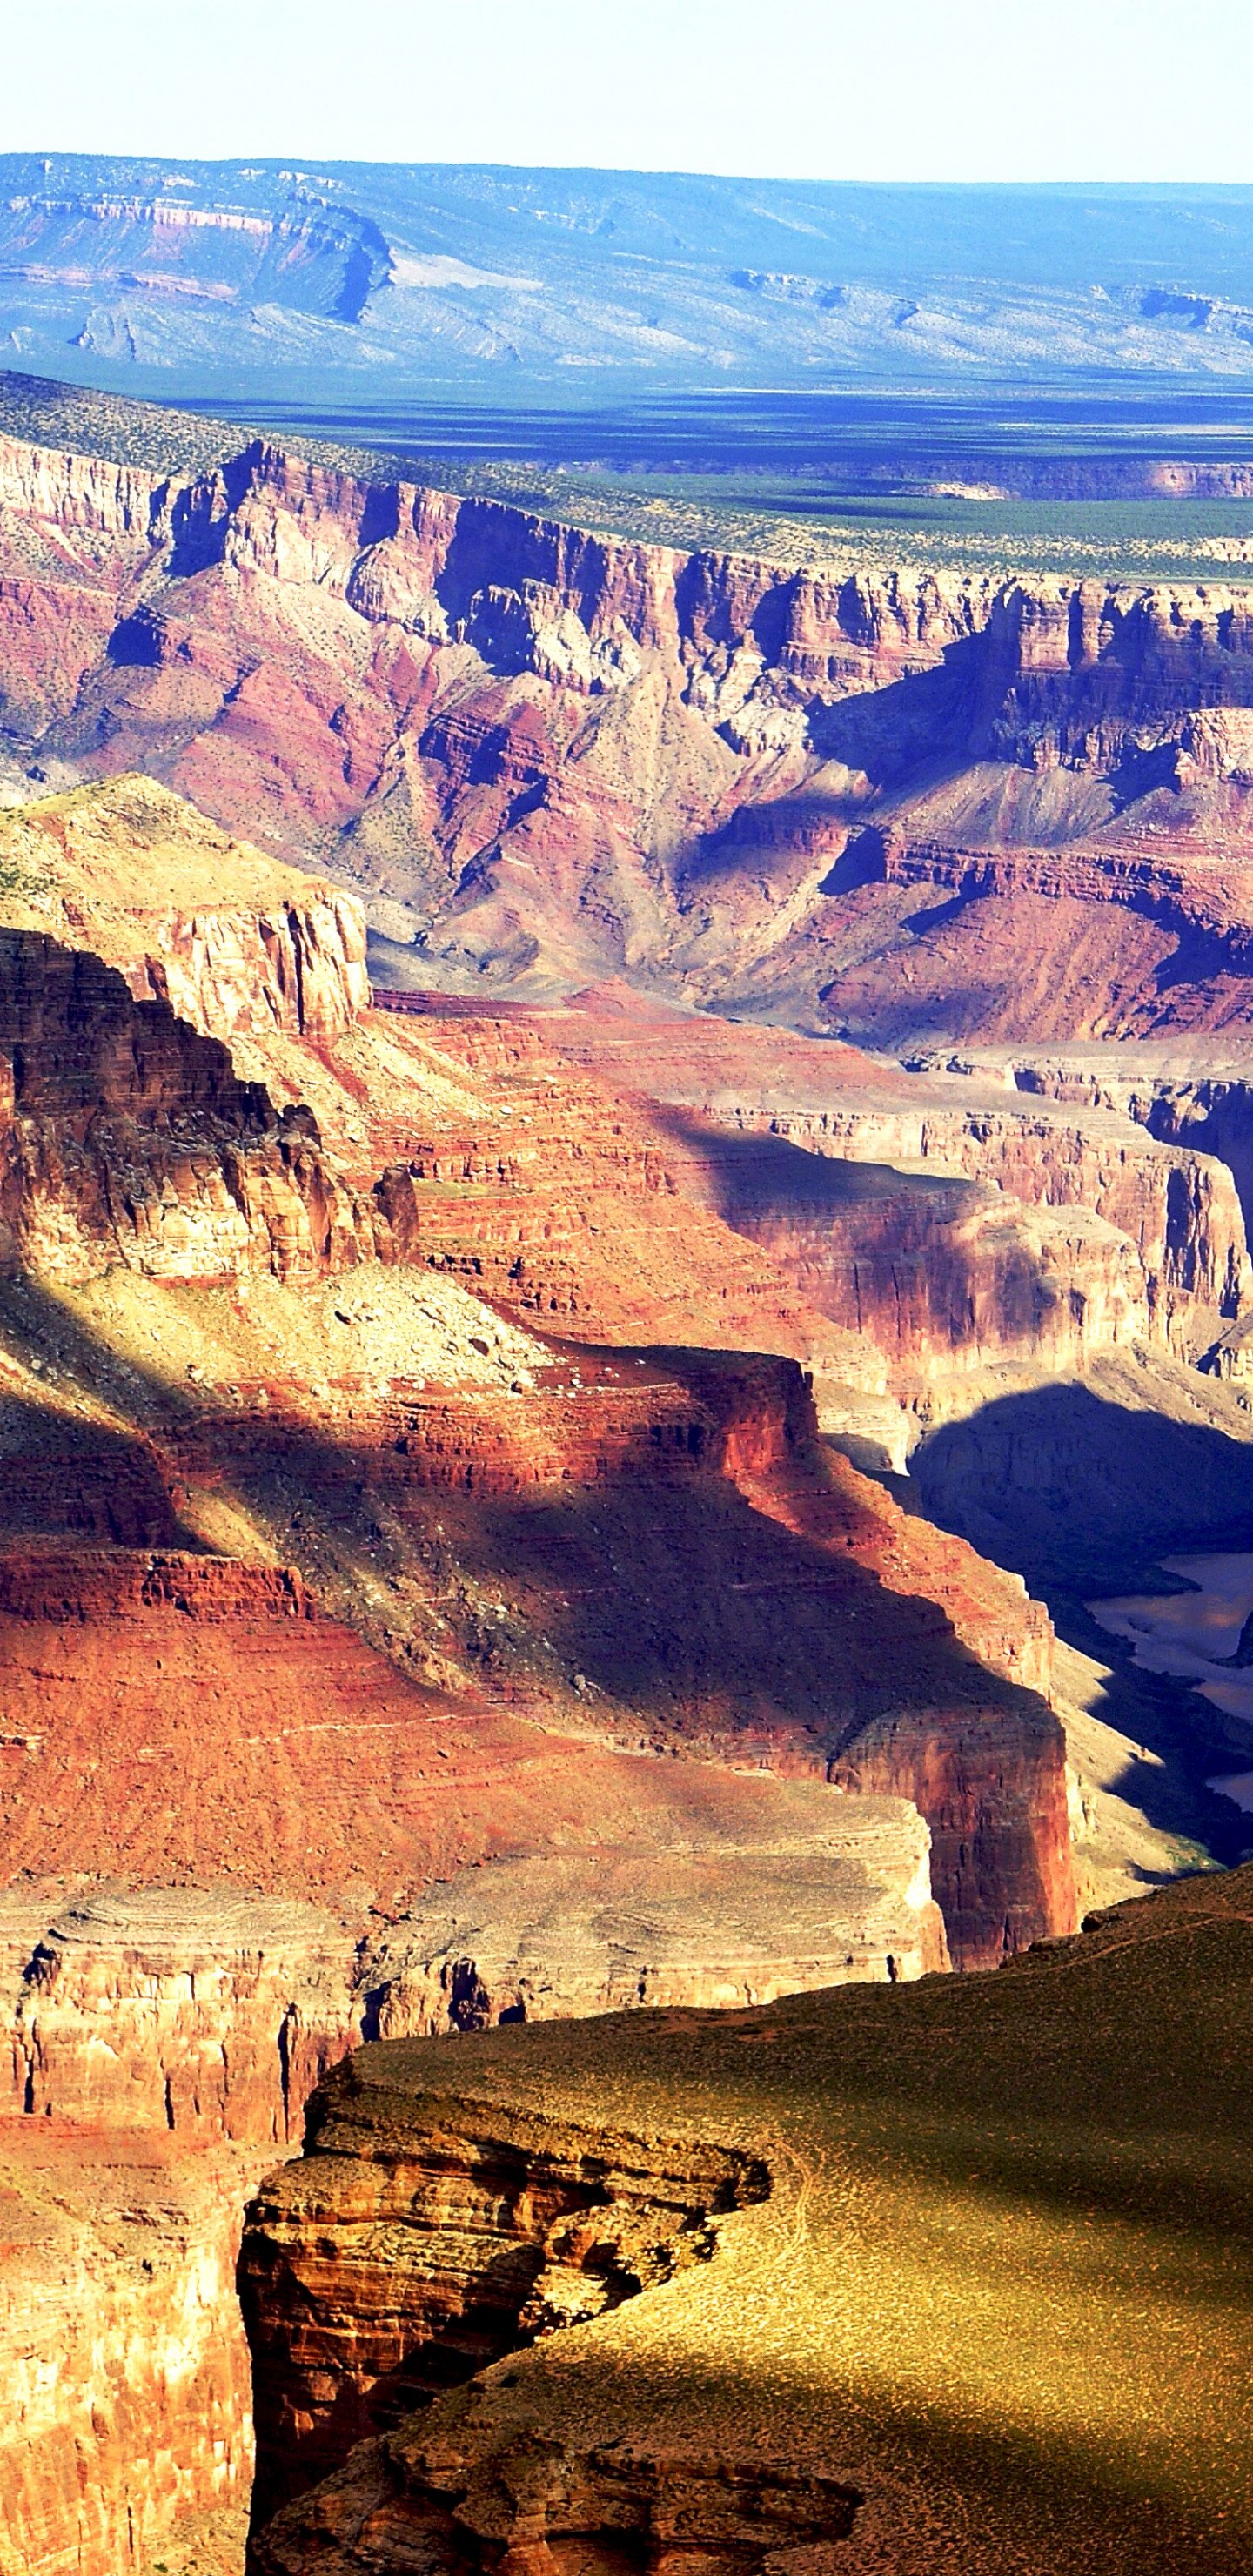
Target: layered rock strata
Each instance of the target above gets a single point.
(180, 1719)
(196, 2011)
(219, 1183)
(493, 2236)
(961, 1226)
(547, 753)
(232, 941)
(125, 2371)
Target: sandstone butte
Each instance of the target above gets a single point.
(436, 1588)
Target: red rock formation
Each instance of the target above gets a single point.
(96, 1086)
(1181, 1212)
(551, 753)
(811, 1590)
(125, 2371)
(201, 2012)
(198, 1727)
(363, 2305)
(939, 1234)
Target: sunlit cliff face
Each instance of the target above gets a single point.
(911, 803)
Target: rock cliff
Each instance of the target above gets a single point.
(544, 753)
(202, 2012)
(229, 939)
(361, 2307)
(962, 1224)
(126, 2376)
(426, 1600)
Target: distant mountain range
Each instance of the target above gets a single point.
(214, 278)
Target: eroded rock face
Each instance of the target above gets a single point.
(470, 1154)
(127, 2395)
(187, 1720)
(944, 1223)
(125, 1135)
(367, 2290)
(232, 941)
(549, 754)
(205, 2013)
(546, 1939)
(603, 2509)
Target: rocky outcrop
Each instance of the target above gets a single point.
(571, 1933)
(367, 2292)
(125, 1136)
(674, 2505)
(231, 941)
(1080, 672)
(1178, 1209)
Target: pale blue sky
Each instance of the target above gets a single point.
(894, 89)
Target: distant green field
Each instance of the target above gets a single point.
(1167, 540)
(851, 480)
(788, 483)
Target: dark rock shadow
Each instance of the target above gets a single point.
(1083, 1497)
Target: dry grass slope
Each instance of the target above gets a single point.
(1001, 2286)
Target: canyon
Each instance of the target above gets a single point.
(378, 1658)
(907, 803)
(528, 1496)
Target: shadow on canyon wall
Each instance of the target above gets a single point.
(1083, 1496)
(666, 1601)
(911, 723)
(900, 1255)
(1080, 1494)
(643, 1591)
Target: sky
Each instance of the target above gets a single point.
(819, 89)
